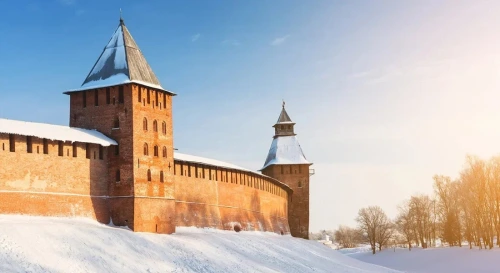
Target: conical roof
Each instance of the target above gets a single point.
(120, 62)
(284, 117)
(285, 148)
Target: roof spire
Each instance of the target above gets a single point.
(283, 104)
(121, 18)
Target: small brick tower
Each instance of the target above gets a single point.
(286, 162)
(122, 98)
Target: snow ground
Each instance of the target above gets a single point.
(432, 260)
(47, 244)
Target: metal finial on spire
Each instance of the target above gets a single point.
(121, 18)
(283, 104)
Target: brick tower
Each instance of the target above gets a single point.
(286, 162)
(122, 98)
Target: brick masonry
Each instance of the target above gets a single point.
(135, 184)
(297, 178)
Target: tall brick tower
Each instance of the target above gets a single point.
(122, 98)
(286, 162)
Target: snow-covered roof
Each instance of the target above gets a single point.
(120, 62)
(217, 163)
(54, 132)
(285, 150)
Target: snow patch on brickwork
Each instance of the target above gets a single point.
(54, 132)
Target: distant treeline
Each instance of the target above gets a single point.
(461, 210)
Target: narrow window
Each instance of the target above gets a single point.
(101, 152)
(3, 146)
(196, 171)
(290, 168)
(108, 96)
(60, 145)
(155, 151)
(155, 125)
(156, 98)
(165, 100)
(74, 149)
(116, 123)
(145, 124)
(96, 97)
(175, 169)
(164, 128)
(146, 152)
(161, 176)
(203, 173)
(281, 169)
(120, 94)
(148, 97)
(117, 175)
(67, 152)
(45, 146)
(149, 175)
(300, 184)
(12, 143)
(189, 170)
(87, 150)
(37, 149)
(139, 94)
(182, 169)
(29, 144)
(84, 99)
(117, 150)
(165, 152)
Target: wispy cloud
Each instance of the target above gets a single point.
(231, 42)
(67, 2)
(362, 74)
(195, 37)
(279, 40)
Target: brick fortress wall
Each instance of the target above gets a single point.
(208, 196)
(137, 182)
(49, 183)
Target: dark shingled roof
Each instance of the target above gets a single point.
(284, 117)
(121, 62)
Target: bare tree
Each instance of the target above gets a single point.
(348, 237)
(405, 224)
(421, 208)
(376, 225)
(448, 209)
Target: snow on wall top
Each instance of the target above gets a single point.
(285, 150)
(120, 62)
(217, 163)
(54, 132)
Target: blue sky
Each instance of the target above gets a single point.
(385, 94)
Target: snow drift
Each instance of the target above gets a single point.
(432, 260)
(43, 244)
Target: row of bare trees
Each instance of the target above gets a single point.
(469, 206)
(466, 209)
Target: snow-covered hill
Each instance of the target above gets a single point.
(39, 244)
(432, 260)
